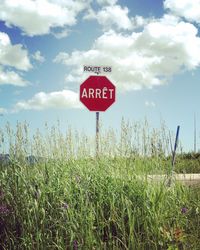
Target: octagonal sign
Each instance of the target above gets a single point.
(97, 93)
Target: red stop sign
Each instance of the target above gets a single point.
(97, 93)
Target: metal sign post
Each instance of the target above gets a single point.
(97, 134)
(175, 147)
(174, 155)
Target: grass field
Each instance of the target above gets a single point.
(71, 199)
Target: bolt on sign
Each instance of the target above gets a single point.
(97, 93)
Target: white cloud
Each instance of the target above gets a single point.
(61, 34)
(38, 17)
(107, 2)
(42, 101)
(4, 39)
(139, 21)
(8, 77)
(38, 57)
(13, 55)
(141, 59)
(111, 16)
(189, 9)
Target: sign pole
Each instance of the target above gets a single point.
(174, 155)
(97, 134)
(175, 147)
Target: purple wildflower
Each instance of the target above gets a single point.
(75, 244)
(184, 210)
(65, 205)
(4, 210)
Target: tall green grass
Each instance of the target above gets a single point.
(133, 139)
(73, 200)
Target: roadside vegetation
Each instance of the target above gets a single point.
(56, 194)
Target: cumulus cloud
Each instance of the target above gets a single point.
(42, 101)
(140, 59)
(9, 77)
(13, 55)
(111, 16)
(61, 34)
(139, 21)
(38, 17)
(107, 2)
(189, 9)
(38, 56)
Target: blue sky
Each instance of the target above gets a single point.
(152, 46)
